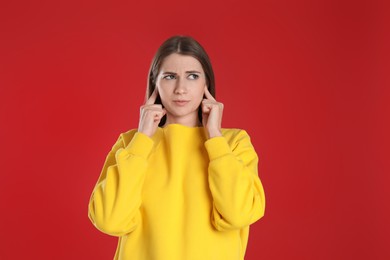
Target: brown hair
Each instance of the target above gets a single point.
(184, 45)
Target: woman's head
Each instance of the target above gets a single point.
(184, 55)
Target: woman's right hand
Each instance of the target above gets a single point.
(150, 115)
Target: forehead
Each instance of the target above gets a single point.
(178, 62)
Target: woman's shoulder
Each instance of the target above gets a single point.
(234, 131)
(238, 140)
(235, 134)
(126, 136)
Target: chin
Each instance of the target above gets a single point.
(183, 113)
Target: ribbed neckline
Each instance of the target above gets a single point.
(182, 131)
(180, 126)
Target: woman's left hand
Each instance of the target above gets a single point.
(212, 115)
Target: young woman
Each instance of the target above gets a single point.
(179, 187)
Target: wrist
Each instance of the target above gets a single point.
(214, 133)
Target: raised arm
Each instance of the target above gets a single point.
(238, 195)
(116, 199)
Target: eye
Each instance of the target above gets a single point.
(169, 76)
(193, 76)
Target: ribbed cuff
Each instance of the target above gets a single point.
(140, 145)
(217, 147)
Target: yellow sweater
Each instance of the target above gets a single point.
(179, 196)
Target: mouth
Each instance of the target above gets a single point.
(181, 102)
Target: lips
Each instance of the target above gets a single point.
(180, 102)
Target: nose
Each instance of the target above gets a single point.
(181, 87)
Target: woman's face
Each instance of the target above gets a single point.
(181, 84)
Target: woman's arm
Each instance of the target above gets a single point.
(238, 195)
(115, 201)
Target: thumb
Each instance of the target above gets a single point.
(205, 117)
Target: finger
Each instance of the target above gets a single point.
(206, 108)
(153, 111)
(162, 112)
(208, 94)
(159, 115)
(156, 107)
(210, 103)
(152, 97)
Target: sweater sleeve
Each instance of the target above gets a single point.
(238, 195)
(115, 201)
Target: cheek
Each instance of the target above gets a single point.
(161, 89)
(198, 98)
(200, 92)
(164, 91)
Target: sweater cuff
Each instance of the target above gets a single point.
(217, 147)
(140, 145)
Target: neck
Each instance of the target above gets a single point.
(191, 122)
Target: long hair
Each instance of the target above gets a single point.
(184, 45)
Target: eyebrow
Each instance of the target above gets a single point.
(174, 73)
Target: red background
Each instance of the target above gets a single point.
(307, 80)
